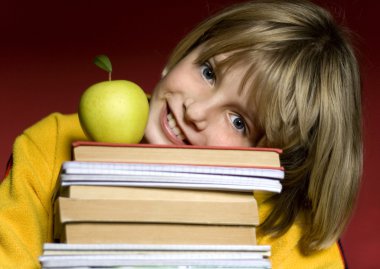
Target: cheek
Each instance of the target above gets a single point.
(182, 79)
(230, 141)
(177, 81)
(157, 90)
(222, 135)
(166, 84)
(155, 100)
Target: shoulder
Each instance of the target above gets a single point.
(56, 126)
(55, 121)
(286, 252)
(52, 136)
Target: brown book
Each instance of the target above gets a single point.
(161, 194)
(147, 233)
(187, 154)
(157, 211)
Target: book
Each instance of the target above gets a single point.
(154, 256)
(138, 193)
(102, 168)
(64, 249)
(68, 180)
(158, 211)
(153, 216)
(155, 233)
(174, 154)
(172, 176)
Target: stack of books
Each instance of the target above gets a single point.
(155, 205)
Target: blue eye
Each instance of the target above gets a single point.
(208, 72)
(238, 123)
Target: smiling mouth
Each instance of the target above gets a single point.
(175, 130)
(173, 126)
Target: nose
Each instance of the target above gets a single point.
(195, 113)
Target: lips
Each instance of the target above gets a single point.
(171, 129)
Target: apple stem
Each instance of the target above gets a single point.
(109, 76)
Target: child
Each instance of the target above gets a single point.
(267, 73)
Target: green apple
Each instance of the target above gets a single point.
(114, 111)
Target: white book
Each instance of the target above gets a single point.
(265, 249)
(109, 261)
(171, 176)
(75, 167)
(101, 261)
(57, 255)
(69, 180)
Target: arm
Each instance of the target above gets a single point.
(27, 190)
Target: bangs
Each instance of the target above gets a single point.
(244, 57)
(251, 83)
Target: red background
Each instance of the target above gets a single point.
(46, 54)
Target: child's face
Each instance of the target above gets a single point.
(199, 104)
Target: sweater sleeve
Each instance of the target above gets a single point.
(27, 190)
(286, 252)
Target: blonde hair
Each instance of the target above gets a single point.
(306, 88)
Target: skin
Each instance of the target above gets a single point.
(206, 104)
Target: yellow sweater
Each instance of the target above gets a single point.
(26, 201)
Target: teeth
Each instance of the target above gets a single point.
(176, 131)
(173, 126)
(172, 123)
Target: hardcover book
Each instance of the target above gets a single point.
(186, 154)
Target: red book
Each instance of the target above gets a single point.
(173, 154)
